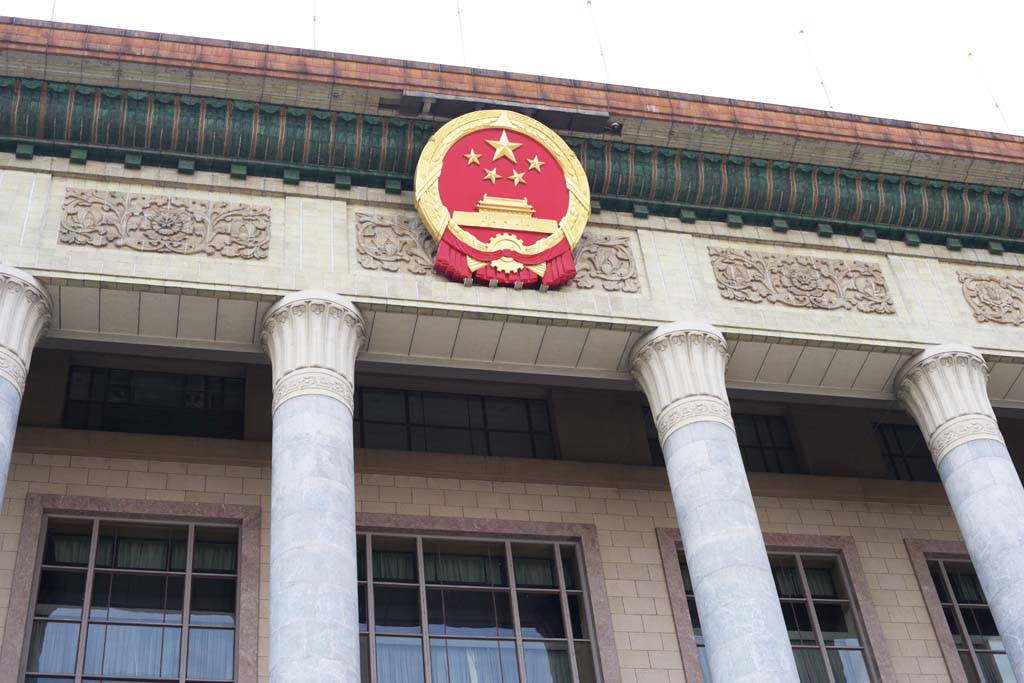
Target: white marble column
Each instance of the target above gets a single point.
(681, 368)
(24, 318)
(312, 338)
(945, 389)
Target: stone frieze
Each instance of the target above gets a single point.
(393, 244)
(800, 281)
(606, 261)
(164, 224)
(994, 298)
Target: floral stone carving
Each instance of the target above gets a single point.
(394, 244)
(800, 281)
(994, 298)
(606, 260)
(165, 224)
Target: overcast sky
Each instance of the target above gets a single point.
(936, 62)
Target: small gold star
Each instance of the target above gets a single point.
(472, 158)
(535, 164)
(504, 148)
(517, 178)
(492, 175)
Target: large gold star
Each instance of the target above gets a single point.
(492, 175)
(472, 158)
(517, 178)
(535, 164)
(504, 148)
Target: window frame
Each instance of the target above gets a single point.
(921, 552)
(747, 451)
(408, 424)
(588, 558)
(178, 416)
(842, 548)
(895, 462)
(39, 508)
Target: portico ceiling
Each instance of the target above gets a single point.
(448, 343)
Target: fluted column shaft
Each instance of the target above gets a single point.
(312, 339)
(682, 370)
(945, 389)
(24, 318)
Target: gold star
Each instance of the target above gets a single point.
(504, 148)
(517, 178)
(492, 175)
(472, 158)
(535, 164)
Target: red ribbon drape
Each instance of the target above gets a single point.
(451, 261)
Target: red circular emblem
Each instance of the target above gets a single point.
(505, 199)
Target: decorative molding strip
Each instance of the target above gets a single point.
(693, 409)
(681, 369)
(319, 381)
(606, 260)
(394, 243)
(945, 389)
(994, 298)
(312, 338)
(800, 281)
(322, 143)
(165, 224)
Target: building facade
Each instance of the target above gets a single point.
(769, 431)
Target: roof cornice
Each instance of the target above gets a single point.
(749, 121)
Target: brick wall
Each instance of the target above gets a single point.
(625, 519)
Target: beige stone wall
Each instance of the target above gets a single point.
(625, 504)
(313, 245)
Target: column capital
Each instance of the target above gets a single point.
(681, 367)
(312, 338)
(945, 389)
(25, 307)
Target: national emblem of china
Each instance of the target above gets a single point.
(505, 199)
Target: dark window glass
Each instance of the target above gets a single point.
(133, 616)
(764, 440)
(653, 441)
(905, 453)
(107, 399)
(819, 614)
(389, 419)
(765, 444)
(965, 607)
(475, 610)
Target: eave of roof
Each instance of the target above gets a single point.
(647, 108)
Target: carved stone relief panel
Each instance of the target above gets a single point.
(994, 298)
(394, 243)
(164, 224)
(800, 281)
(606, 261)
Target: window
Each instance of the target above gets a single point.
(905, 453)
(653, 440)
(765, 444)
(472, 610)
(823, 626)
(112, 400)
(764, 440)
(970, 622)
(134, 603)
(452, 423)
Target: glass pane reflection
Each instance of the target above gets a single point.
(546, 662)
(466, 661)
(399, 660)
